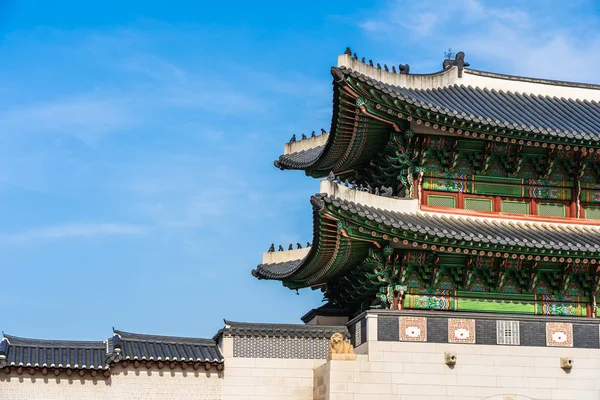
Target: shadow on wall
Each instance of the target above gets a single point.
(57, 380)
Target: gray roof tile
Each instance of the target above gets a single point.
(552, 116)
(22, 352)
(134, 346)
(280, 330)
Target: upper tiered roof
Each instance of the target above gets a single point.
(370, 102)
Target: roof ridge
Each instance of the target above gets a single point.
(23, 341)
(140, 337)
(264, 324)
(541, 81)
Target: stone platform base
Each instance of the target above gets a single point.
(336, 356)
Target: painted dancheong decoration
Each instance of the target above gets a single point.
(461, 190)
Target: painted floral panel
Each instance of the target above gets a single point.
(461, 330)
(413, 329)
(559, 334)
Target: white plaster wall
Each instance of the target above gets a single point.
(305, 144)
(367, 199)
(283, 256)
(416, 371)
(124, 384)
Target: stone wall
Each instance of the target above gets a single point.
(125, 384)
(417, 371)
(269, 378)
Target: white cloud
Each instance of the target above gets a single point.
(71, 230)
(83, 118)
(545, 40)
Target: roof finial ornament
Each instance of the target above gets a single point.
(308, 244)
(378, 66)
(291, 247)
(303, 136)
(293, 139)
(331, 176)
(371, 63)
(280, 248)
(355, 56)
(385, 67)
(272, 248)
(348, 51)
(404, 68)
(363, 60)
(299, 246)
(313, 134)
(323, 131)
(458, 61)
(393, 68)
(386, 191)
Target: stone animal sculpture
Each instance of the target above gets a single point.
(337, 345)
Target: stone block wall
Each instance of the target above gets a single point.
(269, 378)
(123, 384)
(417, 371)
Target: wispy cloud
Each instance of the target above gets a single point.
(543, 39)
(83, 118)
(73, 230)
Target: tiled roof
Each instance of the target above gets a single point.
(301, 159)
(22, 352)
(280, 330)
(505, 232)
(276, 270)
(459, 233)
(133, 346)
(563, 118)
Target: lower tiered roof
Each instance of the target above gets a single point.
(345, 230)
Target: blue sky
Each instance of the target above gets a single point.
(137, 139)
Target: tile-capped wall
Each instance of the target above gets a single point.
(559, 334)
(461, 330)
(413, 329)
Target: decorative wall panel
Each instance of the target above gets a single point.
(461, 330)
(413, 329)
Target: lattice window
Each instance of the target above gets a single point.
(495, 189)
(477, 204)
(441, 201)
(507, 332)
(552, 210)
(515, 207)
(592, 212)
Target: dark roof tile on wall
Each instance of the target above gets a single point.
(134, 346)
(22, 352)
(280, 330)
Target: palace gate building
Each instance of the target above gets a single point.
(456, 242)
